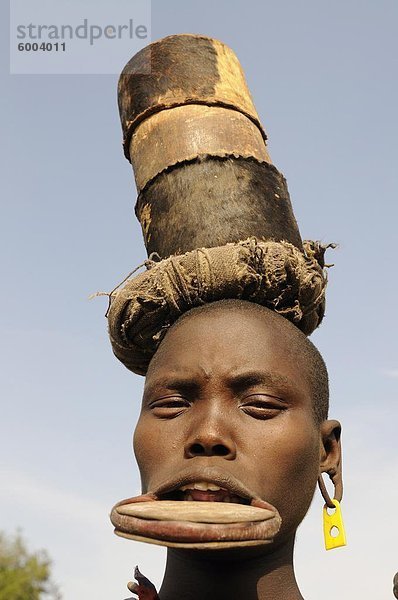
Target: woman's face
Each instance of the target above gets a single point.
(228, 403)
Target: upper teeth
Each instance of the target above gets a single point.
(201, 485)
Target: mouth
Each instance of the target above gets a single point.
(214, 511)
(208, 484)
(203, 491)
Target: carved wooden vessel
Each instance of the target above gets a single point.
(202, 168)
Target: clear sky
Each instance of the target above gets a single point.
(324, 80)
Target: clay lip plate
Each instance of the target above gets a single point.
(195, 524)
(196, 512)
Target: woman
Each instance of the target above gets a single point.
(235, 404)
(237, 397)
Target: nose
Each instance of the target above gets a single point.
(210, 439)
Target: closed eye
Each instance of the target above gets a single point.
(169, 407)
(262, 406)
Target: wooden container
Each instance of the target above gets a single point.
(203, 172)
(183, 69)
(213, 202)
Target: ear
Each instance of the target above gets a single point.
(330, 459)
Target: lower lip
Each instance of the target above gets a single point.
(197, 533)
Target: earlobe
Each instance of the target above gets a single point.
(331, 457)
(330, 462)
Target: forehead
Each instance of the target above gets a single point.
(226, 342)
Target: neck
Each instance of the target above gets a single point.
(253, 575)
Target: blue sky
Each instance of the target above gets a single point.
(323, 78)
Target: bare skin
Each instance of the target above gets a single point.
(226, 396)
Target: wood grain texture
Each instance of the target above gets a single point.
(213, 201)
(181, 69)
(187, 132)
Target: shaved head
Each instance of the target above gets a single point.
(299, 346)
(237, 387)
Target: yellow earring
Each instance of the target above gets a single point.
(333, 526)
